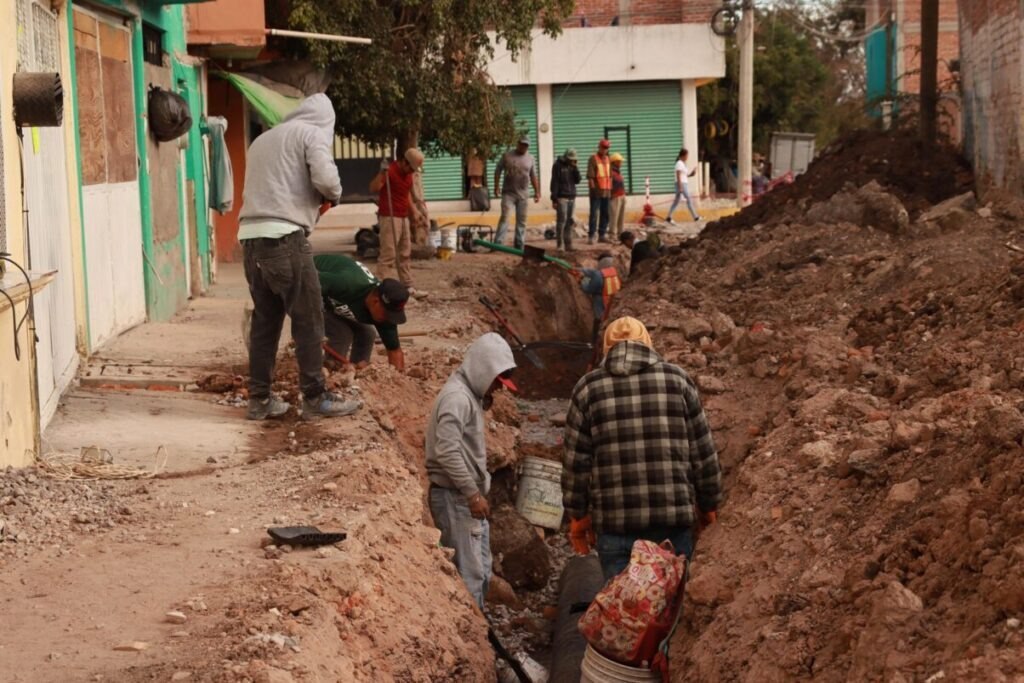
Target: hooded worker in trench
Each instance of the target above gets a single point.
(456, 457)
(639, 461)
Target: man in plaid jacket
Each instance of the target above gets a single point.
(639, 459)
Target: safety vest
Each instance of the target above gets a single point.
(612, 284)
(604, 172)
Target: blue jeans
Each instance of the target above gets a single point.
(468, 536)
(683, 190)
(613, 550)
(564, 221)
(510, 202)
(599, 206)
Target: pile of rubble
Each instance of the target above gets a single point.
(862, 364)
(37, 512)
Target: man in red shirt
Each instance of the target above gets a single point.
(394, 184)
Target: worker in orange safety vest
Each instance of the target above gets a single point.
(601, 284)
(599, 181)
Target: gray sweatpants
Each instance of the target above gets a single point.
(468, 536)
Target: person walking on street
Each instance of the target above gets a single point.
(520, 173)
(291, 179)
(639, 460)
(358, 307)
(565, 176)
(456, 458)
(599, 182)
(683, 175)
(394, 205)
(617, 203)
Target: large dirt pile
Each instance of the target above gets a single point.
(897, 160)
(866, 386)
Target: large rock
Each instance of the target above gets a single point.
(961, 202)
(695, 327)
(869, 205)
(1002, 426)
(905, 492)
(525, 558)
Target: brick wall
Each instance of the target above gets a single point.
(992, 72)
(601, 12)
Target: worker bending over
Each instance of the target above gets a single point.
(601, 284)
(357, 307)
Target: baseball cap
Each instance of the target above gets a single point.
(415, 158)
(571, 154)
(506, 380)
(524, 141)
(605, 143)
(394, 295)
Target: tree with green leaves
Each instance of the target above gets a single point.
(425, 77)
(808, 75)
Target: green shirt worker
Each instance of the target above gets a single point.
(358, 307)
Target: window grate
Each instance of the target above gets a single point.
(152, 45)
(44, 36)
(24, 31)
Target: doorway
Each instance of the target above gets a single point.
(621, 139)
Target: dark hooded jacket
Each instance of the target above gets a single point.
(564, 179)
(638, 448)
(290, 169)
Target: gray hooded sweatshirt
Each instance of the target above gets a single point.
(290, 168)
(456, 452)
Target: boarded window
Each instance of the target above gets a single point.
(106, 104)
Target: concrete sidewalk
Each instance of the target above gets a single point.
(133, 394)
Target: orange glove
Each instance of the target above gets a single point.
(705, 519)
(325, 207)
(581, 535)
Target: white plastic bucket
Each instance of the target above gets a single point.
(435, 239)
(599, 669)
(448, 239)
(540, 492)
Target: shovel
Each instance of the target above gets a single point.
(530, 355)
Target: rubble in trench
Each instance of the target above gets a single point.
(860, 354)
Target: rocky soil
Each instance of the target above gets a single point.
(861, 358)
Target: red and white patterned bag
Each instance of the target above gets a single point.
(636, 610)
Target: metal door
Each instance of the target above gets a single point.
(110, 177)
(47, 216)
(622, 143)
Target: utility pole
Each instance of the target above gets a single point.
(929, 69)
(744, 189)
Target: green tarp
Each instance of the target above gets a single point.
(272, 106)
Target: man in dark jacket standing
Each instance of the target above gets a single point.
(639, 460)
(565, 176)
(289, 177)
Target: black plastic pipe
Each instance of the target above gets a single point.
(579, 583)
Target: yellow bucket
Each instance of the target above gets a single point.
(444, 253)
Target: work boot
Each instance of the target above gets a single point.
(328, 405)
(590, 240)
(604, 240)
(262, 408)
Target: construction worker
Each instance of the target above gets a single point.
(289, 179)
(599, 182)
(565, 176)
(358, 307)
(639, 461)
(601, 284)
(520, 173)
(456, 458)
(394, 204)
(617, 203)
(639, 250)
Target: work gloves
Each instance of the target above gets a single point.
(581, 535)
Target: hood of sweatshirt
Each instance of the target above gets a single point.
(630, 358)
(486, 358)
(317, 111)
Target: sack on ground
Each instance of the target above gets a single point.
(631, 615)
(479, 199)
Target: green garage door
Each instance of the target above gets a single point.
(643, 121)
(443, 175)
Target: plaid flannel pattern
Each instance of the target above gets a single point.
(638, 448)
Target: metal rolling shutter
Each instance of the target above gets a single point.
(652, 110)
(442, 176)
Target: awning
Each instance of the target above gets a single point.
(272, 106)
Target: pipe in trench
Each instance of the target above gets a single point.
(579, 583)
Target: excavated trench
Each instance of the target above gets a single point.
(544, 306)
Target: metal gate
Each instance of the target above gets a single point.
(651, 112)
(47, 215)
(110, 175)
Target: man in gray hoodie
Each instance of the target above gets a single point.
(457, 458)
(290, 174)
